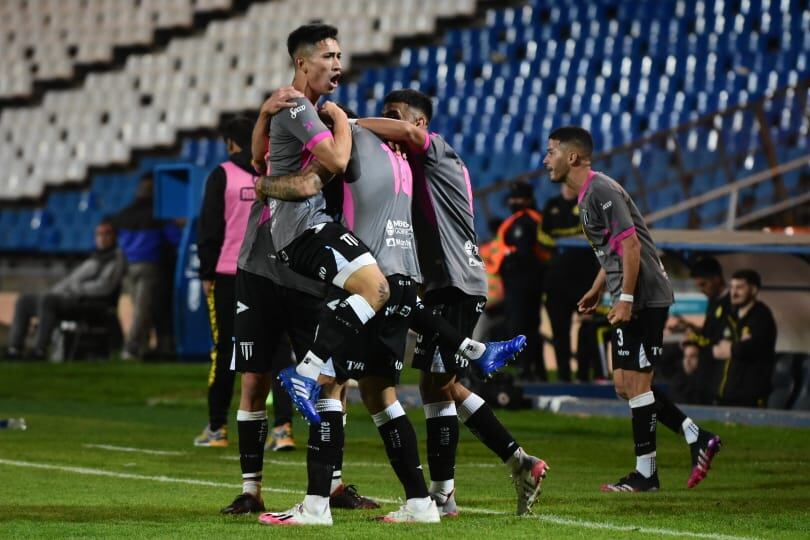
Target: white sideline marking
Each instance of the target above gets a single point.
(348, 464)
(557, 520)
(136, 450)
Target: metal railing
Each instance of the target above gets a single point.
(699, 162)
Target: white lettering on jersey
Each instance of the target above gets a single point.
(294, 111)
(607, 205)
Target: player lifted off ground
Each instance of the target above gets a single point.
(455, 285)
(376, 196)
(271, 301)
(308, 238)
(641, 295)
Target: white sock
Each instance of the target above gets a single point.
(472, 349)
(516, 460)
(469, 406)
(690, 431)
(442, 487)
(646, 464)
(315, 504)
(311, 366)
(253, 487)
(391, 412)
(418, 504)
(337, 480)
(361, 308)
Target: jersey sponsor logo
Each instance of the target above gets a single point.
(470, 248)
(399, 242)
(400, 227)
(247, 349)
(295, 110)
(349, 239)
(607, 205)
(475, 262)
(241, 308)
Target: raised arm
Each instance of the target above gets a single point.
(416, 138)
(334, 150)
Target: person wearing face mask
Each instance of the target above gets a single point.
(522, 270)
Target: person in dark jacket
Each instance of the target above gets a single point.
(749, 351)
(92, 286)
(141, 236)
(522, 270)
(229, 195)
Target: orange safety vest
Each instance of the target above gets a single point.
(489, 252)
(506, 249)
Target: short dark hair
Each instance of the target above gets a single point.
(751, 276)
(238, 129)
(412, 98)
(580, 137)
(706, 267)
(309, 34)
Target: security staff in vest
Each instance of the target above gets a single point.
(569, 275)
(522, 271)
(229, 193)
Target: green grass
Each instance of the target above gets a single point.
(50, 482)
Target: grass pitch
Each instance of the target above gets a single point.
(108, 453)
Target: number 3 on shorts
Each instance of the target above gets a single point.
(619, 337)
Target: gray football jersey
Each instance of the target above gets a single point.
(443, 218)
(258, 255)
(608, 216)
(294, 132)
(377, 197)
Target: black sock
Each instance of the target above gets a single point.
(324, 447)
(338, 322)
(483, 423)
(282, 404)
(667, 412)
(434, 327)
(252, 428)
(442, 443)
(403, 453)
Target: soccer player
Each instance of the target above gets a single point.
(456, 287)
(376, 197)
(308, 238)
(641, 294)
(272, 300)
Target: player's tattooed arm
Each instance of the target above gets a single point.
(294, 187)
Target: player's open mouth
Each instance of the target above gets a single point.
(334, 81)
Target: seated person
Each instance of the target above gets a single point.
(93, 284)
(749, 349)
(706, 372)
